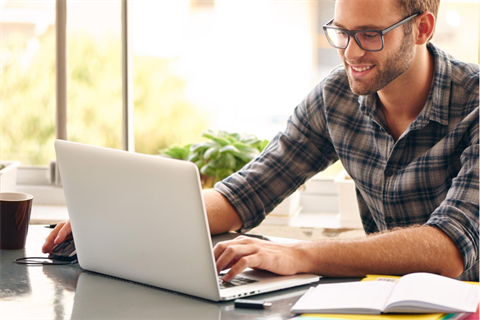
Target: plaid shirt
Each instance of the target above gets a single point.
(428, 176)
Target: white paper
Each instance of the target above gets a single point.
(351, 297)
(424, 292)
(413, 293)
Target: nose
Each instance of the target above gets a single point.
(353, 50)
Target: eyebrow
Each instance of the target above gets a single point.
(362, 27)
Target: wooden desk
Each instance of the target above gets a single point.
(69, 292)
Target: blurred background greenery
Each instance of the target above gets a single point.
(163, 116)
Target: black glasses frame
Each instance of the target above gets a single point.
(352, 33)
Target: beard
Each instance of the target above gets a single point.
(395, 65)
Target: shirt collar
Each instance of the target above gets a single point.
(437, 106)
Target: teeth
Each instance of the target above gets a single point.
(361, 69)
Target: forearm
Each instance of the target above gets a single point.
(397, 252)
(222, 217)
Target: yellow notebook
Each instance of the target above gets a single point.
(431, 316)
(353, 298)
(371, 277)
(416, 316)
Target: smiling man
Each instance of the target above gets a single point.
(402, 117)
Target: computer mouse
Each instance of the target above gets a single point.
(65, 251)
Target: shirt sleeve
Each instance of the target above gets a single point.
(292, 157)
(457, 216)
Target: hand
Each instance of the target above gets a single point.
(62, 231)
(247, 252)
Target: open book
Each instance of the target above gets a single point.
(412, 293)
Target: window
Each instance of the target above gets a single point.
(27, 90)
(226, 64)
(94, 80)
(220, 65)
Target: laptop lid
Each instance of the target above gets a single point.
(138, 217)
(142, 218)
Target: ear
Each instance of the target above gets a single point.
(425, 25)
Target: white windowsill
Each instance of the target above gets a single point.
(43, 214)
(49, 201)
(48, 214)
(317, 220)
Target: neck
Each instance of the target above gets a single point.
(404, 98)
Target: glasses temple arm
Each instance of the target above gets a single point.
(399, 23)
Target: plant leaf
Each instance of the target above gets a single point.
(229, 149)
(201, 146)
(211, 153)
(208, 170)
(226, 161)
(193, 157)
(177, 152)
(263, 144)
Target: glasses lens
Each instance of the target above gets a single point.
(369, 40)
(337, 38)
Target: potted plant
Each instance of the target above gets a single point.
(8, 175)
(221, 155)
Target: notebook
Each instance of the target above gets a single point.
(142, 218)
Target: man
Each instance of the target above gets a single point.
(402, 116)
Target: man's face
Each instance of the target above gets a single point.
(369, 72)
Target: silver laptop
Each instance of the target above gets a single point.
(142, 218)
(103, 297)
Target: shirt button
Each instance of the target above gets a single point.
(389, 172)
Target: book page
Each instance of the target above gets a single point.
(351, 297)
(425, 292)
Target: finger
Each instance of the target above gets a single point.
(64, 232)
(221, 246)
(50, 241)
(250, 261)
(232, 254)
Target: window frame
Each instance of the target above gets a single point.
(39, 180)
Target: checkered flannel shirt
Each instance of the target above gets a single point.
(429, 176)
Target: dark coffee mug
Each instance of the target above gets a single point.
(15, 209)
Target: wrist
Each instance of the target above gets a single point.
(304, 257)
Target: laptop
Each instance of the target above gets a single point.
(103, 297)
(142, 218)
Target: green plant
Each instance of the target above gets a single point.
(221, 155)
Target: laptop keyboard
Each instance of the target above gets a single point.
(235, 282)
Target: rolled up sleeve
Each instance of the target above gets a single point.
(458, 214)
(292, 157)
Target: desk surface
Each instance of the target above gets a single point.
(69, 292)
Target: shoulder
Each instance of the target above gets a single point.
(336, 80)
(463, 74)
(466, 75)
(333, 88)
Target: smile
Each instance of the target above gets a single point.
(361, 69)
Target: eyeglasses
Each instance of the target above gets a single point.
(368, 40)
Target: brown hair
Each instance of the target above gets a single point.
(410, 7)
